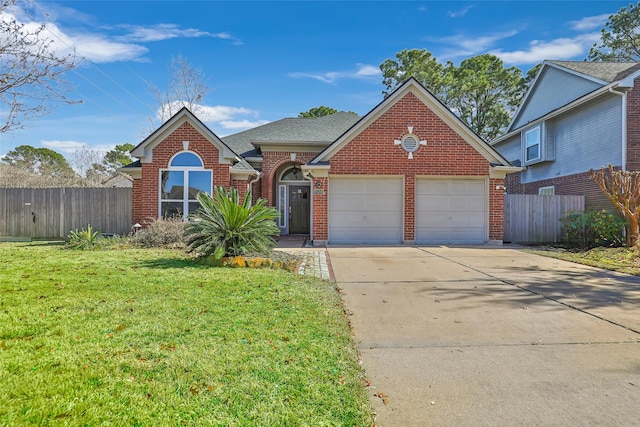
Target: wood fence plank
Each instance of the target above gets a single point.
(60, 210)
(530, 218)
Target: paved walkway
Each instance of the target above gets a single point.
(314, 260)
(491, 337)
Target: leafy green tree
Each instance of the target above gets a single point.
(117, 158)
(317, 112)
(484, 94)
(620, 38)
(417, 63)
(41, 161)
(481, 91)
(224, 226)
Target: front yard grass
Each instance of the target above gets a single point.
(148, 337)
(624, 260)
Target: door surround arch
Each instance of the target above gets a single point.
(293, 199)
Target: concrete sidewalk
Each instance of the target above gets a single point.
(492, 336)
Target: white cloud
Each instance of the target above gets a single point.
(102, 46)
(589, 22)
(363, 71)
(464, 46)
(459, 13)
(242, 124)
(563, 48)
(63, 146)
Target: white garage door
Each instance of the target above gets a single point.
(451, 211)
(365, 210)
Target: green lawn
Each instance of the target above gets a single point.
(624, 260)
(148, 337)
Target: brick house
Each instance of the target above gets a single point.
(407, 172)
(575, 117)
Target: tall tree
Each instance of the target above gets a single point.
(417, 63)
(481, 91)
(317, 112)
(186, 88)
(484, 93)
(41, 161)
(620, 38)
(623, 189)
(31, 72)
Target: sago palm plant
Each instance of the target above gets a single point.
(224, 226)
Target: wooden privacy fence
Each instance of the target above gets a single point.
(50, 213)
(531, 218)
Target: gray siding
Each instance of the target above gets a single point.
(511, 149)
(554, 89)
(588, 138)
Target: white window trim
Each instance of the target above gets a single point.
(185, 170)
(551, 189)
(540, 144)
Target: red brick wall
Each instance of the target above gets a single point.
(446, 154)
(633, 127)
(271, 161)
(320, 213)
(146, 189)
(580, 184)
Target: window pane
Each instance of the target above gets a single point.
(172, 186)
(171, 209)
(199, 182)
(293, 174)
(193, 207)
(186, 159)
(532, 152)
(533, 137)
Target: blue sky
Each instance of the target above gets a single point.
(267, 60)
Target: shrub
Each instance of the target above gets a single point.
(592, 228)
(82, 239)
(162, 233)
(224, 226)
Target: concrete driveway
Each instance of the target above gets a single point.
(492, 336)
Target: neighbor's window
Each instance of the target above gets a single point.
(181, 183)
(532, 144)
(547, 191)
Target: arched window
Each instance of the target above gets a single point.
(181, 182)
(293, 174)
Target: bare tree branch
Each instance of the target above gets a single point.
(623, 189)
(31, 73)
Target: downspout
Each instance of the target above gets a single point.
(308, 176)
(624, 126)
(250, 182)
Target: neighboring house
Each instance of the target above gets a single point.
(407, 172)
(119, 180)
(575, 117)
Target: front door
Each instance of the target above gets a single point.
(299, 209)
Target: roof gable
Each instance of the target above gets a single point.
(431, 102)
(560, 83)
(144, 150)
(552, 88)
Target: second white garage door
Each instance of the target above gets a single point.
(365, 210)
(451, 211)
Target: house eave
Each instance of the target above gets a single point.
(588, 97)
(134, 173)
(299, 146)
(144, 150)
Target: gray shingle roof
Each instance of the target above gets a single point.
(323, 129)
(607, 71)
